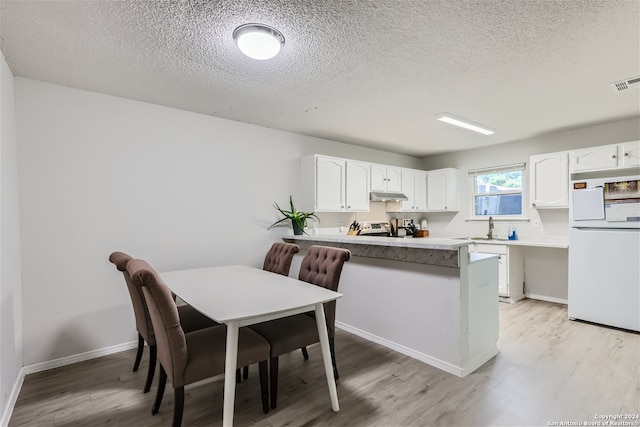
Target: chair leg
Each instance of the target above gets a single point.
(264, 385)
(304, 353)
(136, 364)
(178, 406)
(332, 350)
(245, 372)
(161, 383)
(273, 374)
(153, 356)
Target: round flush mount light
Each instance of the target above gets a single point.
(258, 41)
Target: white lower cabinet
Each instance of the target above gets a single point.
(510, 269)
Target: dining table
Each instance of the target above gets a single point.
(239, 295)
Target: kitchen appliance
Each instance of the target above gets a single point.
(604, 249)
(402, 227)
(374, 228)
(385, 196)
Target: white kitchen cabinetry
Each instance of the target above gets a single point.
(357, 186)
(442, 190)
(629, 154)
(510, 270)
(332, 184)
(414, 186)
(549, 180)
(605, 157)
(386, 178)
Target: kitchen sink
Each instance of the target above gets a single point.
(482, 238)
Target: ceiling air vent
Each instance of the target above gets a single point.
(625, 85)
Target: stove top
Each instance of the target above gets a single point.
(374, 228)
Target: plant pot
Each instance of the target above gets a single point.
(296, 230)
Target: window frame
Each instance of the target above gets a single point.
(472, 176)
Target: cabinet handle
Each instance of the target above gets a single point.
(626, 154)
(613, 156)
(348, 207)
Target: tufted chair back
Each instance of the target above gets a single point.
(140, 310)
(322, 266)
(278, 259)
(170, 338)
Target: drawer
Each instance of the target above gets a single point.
(490, 249)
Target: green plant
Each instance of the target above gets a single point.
(298, 218)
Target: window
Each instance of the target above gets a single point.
(497, 191)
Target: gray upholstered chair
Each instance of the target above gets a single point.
(190, 318)
(189, 357)
(278, 260)
(321, 266)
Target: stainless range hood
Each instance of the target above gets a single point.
(380, 196)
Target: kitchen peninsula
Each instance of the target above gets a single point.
(428, 298)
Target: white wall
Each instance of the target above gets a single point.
(179, 189)
(10, 289)
(545, 270)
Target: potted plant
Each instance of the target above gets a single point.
(298, 218)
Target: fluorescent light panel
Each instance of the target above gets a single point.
(464, 123)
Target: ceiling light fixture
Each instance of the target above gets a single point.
(464, 123)
(258, 41)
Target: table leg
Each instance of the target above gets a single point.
(326, 356)
(230, 374)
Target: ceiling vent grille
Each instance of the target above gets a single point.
(625, 85)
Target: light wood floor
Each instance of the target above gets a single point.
(549, 369)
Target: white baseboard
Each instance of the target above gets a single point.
(429, 360)
(75, 358)
(13, 398)
(548, 299)
(56, 363)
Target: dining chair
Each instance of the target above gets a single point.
(190, 318)
(277, 260)
(321, 266)
(189, 357)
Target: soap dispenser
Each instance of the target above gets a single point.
(511, 235)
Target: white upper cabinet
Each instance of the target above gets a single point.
(332, 184)
(414, 186)
(442, 190)
(549, 180)
(386, 178)
(629, 154)
(605, 157)
(357, 187)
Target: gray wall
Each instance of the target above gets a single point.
(179, 189)
(10, 288)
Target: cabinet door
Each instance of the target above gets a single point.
(408, 189)
(420, 191)
(549, 180)
(442, 190)
(378, 177)
(330, 184)
(629, 153)
(394, 179)
(357, 190)
(594, 158)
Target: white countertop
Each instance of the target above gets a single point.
(404, 242)
(446, 243)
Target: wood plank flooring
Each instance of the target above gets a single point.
(549, 369)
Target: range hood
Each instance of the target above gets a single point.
(381, 196)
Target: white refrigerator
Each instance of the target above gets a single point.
(604, 250)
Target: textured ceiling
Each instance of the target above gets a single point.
(371, 73)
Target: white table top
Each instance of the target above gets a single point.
(241, 293)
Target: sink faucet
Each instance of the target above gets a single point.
(490, 234)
